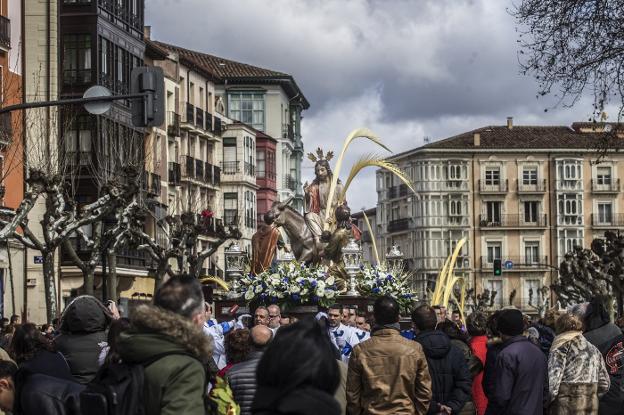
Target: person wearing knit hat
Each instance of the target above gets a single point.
(521, 369)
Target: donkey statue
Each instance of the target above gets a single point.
(305, 247)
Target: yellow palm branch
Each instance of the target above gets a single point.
(370, 229)
(217, 281)
(373, 161)
(360, 132)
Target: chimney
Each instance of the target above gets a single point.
(510, 122)
(477, 139)
(147, 32)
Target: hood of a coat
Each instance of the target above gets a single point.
(85, 314)
(305, 401)
(436, 344)
(156, 331)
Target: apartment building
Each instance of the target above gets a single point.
(366, 240)
(11, 153)
(522, 194)
(99, 43)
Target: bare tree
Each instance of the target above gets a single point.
(574, 47)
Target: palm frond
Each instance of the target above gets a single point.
(374, 161)
(370, 229)
(217, 281)
(360, 132)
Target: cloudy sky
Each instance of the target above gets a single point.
(407, 69)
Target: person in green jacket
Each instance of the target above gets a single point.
(174, 384)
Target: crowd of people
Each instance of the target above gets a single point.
(168, 357)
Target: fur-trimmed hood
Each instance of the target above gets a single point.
(156, 331)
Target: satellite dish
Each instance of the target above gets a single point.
(97, 108)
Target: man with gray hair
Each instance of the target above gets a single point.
(167, 339)
(242, 376)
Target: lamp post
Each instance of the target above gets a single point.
(352, 258)
(234, 266)
(395, 258)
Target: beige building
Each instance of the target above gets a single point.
(523, 195)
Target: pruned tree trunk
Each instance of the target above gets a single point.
(111, 283)
(48, 284)
(11, 279)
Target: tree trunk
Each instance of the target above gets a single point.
(158, 278)
(111, 284)
(89, 281)
(49, 286)
(11, 280)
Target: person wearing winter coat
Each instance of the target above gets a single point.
(476, 325)
(242, 376)
(608, 338)
(169, 334)
(577, 375)
(84, 325)
(494, 347)
(521, 370)
(451, 382)
(298, 373)
(26, 393)
(388, 374)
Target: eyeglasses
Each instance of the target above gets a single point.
(276, 316)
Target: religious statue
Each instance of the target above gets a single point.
(264, 245)
(317, 194)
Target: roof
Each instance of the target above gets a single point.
(153, 50)
(222, 69)
(359, 213)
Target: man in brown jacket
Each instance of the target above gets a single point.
(388, 374)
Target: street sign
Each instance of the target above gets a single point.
(508, 264)
(38, 259)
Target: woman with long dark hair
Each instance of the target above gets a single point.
(298, 374)
(34, 353)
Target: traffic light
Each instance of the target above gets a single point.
(150, 110)
(498, 269)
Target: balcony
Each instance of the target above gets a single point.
(397, 191)
(436, 263)
(199, 118)
(212, 174)
(512, 221)
(366, 237)
(613, 186)
(217, 126)
(208, 121)
(5, 33)
(399, 225)
(441, 186)
(538, 187)
(173, 124)
(250, 169)
(80, 158)
(290, 182)
(155, 184)
(570, 185)
(614, 220)
(442, 221)
(188, 167)
(518, 262)
(570, 220)
(230, 167)
(230, 217)
(502, 186)
(210, 227)
(175, 173)
(199, 170)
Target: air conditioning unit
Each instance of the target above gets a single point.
(31, 282)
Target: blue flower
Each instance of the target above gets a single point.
(362, 267)
(378, 281)
(285, 280)
(274, 299)
(388, 277)
(313, 283)
(314, 299)
(296, 297)
(376, 290)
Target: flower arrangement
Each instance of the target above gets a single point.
(382, 279)
(289, 285)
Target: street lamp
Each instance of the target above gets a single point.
(395, 258)
(234, 267)
(352, 258)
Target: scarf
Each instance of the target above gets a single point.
(563, 338)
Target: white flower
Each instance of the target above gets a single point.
(330, 280)
(249, 294)
(258, 289)
(320, 292)
(294, 289)
(320, 285)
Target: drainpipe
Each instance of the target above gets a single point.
(553, 210)
(474, 227)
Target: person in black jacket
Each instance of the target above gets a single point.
(83, 336)
(451, 382)
(608, 338)
(33, 352)
(25, 393)
(521, 372)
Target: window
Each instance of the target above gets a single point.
(492, 177)
(455, 208)
(78, 141)
(76, 59)
(230, 209)
(570, 170)
(248, 108)
(260, 163)
(270, 164)
(603, 175)
(494, 251)
(531, 295)
(605, 213)
(568, 239)
(529, 176)
(496, 288)
(249, 152)
(570, 207)
(230, 164)
(530, 212)
(455, 172)
(250, 209)
(531, 253)
(106, 61)
(76, 1)
(493, 211)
